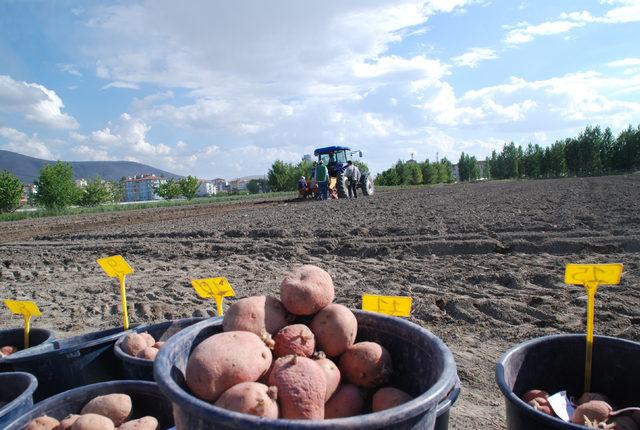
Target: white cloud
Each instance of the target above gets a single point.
(474, 56)
(530, 32)
(627, 62)
(71, 69)
(35, 102)
(122, 85)
(18, 141)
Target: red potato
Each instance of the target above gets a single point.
(133, 343)
(150, 340)
(43, 423)
(389, 397)
(294, 339)
(251, 398)
(591, 410)
(335, 328)
(159, 344)
(306, 290)
(331, 373)
(149, 353)
(8, 350)
(301, 387)
(255, 314)
(144, 423)
(93, 422)
(224, 360)
(117, 407)
(532, 394)
(366, 364)
(67, 423)
(347, 401)
(541, 404)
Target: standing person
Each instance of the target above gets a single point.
(313, 185)
(322, 178)
(302, 187)
(352, 174)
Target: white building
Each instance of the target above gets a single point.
(82, 182)
(206, 189)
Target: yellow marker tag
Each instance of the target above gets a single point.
(397, 306)
(27, 310)
(116, 267)
(213, 288)
(591, 276)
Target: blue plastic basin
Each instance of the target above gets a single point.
(145, 397)
(556, 363)
(69, 363)
(139, 368)
(16, 394)
(432, 379)
(15, 337)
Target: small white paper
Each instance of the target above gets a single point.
(561, 405)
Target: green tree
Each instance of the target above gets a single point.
(56, 186)
(116, 188)
(10, 192)
(95, 193)
(364, 169)
(188, 186)
(256, 186)
(169, 190)
(412, 174)
(279, 176)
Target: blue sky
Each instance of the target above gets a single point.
(223, 89)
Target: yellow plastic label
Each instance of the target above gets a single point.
(29, 309)
(600, 274)
(397, 306)
(115, 266)
(213, 287)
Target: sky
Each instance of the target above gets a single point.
(225, 88)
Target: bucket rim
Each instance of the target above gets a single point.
(51, 337)
(117, 350)
(429, 400)
(71, 343)
(521, 404)
(31, 388)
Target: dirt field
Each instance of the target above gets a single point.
(484, 263)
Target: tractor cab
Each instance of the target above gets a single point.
(335, 158)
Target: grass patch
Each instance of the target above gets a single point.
(40, 213)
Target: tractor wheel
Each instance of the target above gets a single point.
(366, 184)
(341, 186)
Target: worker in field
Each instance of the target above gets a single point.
(302, 187)
(322, 178)
(352, 173)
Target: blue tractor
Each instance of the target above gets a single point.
(335, 158)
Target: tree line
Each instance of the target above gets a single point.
(416, 173)
(56, 189)
(284, 176)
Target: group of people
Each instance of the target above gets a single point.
(320, 176)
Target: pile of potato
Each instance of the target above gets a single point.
(102, 413)
(8, 350)
(593, 410)
(293, 359)
(141, 345)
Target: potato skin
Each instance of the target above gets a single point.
(593, 409)
(133, 343)
(117, 407)
(366, 364)
(144, 423)
(148, 338)
(335, 328)
(389, 397)
(8, 350)
(301, 387)
(306, 290)
(347, 401)
(93, 422)
(149, 353)
(43, 423)
(255, 314)
(331, 373)
(224, 360)
(295, 339)
(251, 398)
(159, 344)
(67, 423)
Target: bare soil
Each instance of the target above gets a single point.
(484, 263)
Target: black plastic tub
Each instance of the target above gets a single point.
(145, 396)
(139, 368)
(15, 337)
(16, 395)
(432, 379)
(64, 364)
(556, 363)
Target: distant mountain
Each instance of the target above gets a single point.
(27, 168)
